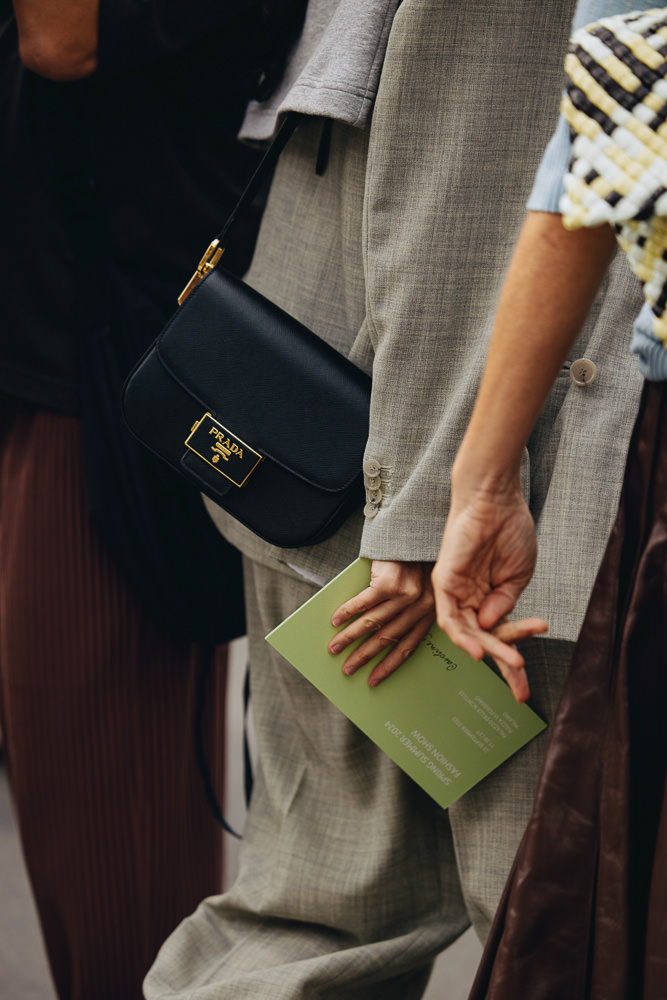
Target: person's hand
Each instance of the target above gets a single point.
(487, 557)
(397, 609)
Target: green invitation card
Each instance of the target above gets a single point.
(445, 719)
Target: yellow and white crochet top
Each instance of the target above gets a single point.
(616, 106)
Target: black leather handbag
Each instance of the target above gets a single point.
(266, 418)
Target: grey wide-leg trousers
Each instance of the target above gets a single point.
(351, 879)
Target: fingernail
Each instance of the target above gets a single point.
(335, 649)
(336, 620)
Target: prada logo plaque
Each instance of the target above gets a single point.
(222, 450)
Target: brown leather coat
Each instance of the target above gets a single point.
(584, 914)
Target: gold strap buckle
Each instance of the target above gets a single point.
(210, 259)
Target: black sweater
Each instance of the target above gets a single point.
(112, 187)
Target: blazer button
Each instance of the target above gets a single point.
(371, 467)
(374, 496)
(372, 482)
(583, 372)
(371, 510)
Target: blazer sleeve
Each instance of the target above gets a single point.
(457, 132)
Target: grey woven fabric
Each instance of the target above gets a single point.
(349, 881)
(577, 457)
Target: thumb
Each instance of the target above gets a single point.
(495, 606)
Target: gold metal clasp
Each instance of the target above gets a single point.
(215, 444)
(210, 259)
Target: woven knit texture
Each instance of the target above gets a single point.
(616, 106)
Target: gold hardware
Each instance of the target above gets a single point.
(214, 443)
(210, 259)
(221, 452)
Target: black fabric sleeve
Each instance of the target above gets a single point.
(135, 32)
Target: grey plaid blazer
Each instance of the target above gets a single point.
(396, 255)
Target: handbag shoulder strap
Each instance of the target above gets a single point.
(217, 246)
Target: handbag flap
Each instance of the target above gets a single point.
(271, 382)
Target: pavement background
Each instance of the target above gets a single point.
(23, 971)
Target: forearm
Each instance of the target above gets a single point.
(550, 286)
(58, 40)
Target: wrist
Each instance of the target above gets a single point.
(485, 471)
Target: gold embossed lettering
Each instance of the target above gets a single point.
(222, 448)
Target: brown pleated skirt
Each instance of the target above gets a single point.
(96, 705)
(584, 914)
